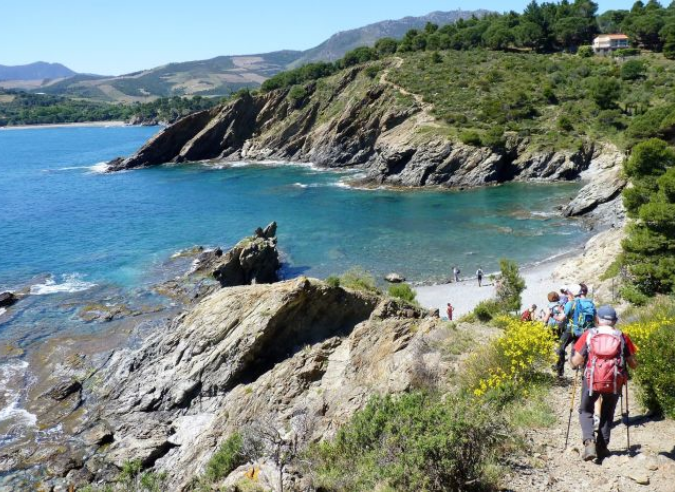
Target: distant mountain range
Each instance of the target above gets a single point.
(35, 71)
(221, 75)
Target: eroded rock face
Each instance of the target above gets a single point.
(396, 143)
(7, 299)
(254, 352)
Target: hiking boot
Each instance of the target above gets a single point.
(589, 451)
(602, 449)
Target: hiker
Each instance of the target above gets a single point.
(554, 317)
(449, 311)
(528, 314)
(580, 314)
(455, 272)
(564, 297)
(605, 352)
(479, 276)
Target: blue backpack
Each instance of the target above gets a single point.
(582, 316)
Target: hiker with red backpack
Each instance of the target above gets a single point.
(580, 314)
(606, 353)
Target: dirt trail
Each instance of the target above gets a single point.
(648, 466)
(425, 117)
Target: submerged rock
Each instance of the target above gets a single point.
(394, 278)
(7, 299)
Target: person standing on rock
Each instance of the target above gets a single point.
(449, 311)
(605, 353)
(479, 276)
(455, 273)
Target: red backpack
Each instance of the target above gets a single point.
(606, 368)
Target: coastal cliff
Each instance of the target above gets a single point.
(352, 120)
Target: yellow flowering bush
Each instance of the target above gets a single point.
(509, 362)
(656, 353)
(641, 331)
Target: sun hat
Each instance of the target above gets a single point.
(575, 290)
(607, 313)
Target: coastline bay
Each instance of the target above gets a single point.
(70, 229)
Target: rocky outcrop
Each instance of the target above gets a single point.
(355, 122)
(249, 354)
(8, 299)
(254, 260)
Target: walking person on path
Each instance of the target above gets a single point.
(455, 273)
(580, 313)
(554, 317)
(479, 276)
(449, 311)
(605, 353)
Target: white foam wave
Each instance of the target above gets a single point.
(99, 168)
(18, 414)
(10, 372)
(69, 284)
(545, 214)
(3, 311)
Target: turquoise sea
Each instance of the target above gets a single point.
(68, 230)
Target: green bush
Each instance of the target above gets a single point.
(633, 70)
(410, 442)
(333, 281)
(486, 310)
(470, 138)
(511, 285)
(226, 459)
(402, 291)
(358, 279)
(585, 51)
(565, 124)
(655, 373)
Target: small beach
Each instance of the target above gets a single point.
(466, 294)
(83, 124)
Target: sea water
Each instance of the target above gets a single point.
(66, 227)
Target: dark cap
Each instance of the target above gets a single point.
(607, 313)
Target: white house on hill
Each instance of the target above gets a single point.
(607, 43)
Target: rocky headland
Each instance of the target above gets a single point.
(391, 135)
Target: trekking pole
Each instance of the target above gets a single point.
(574, 392)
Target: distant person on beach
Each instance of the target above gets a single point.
(528, 314)
(449, 311)
(479, 276)
(455, 273)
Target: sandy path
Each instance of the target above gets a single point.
(466, 294)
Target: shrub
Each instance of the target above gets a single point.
(470, 138)
(297, 93)
(409, 442)
(655, 375)
(633, 70)
(371, 71)
(585, 51)
(402, 291)
(333, 281)
(506, 366)
(358, 279)
(565, 124)
(511, 285)
(620, 53)
(486, 310)
(228, 457)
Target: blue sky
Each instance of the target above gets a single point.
(121, 36)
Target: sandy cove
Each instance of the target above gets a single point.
(588, 266)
